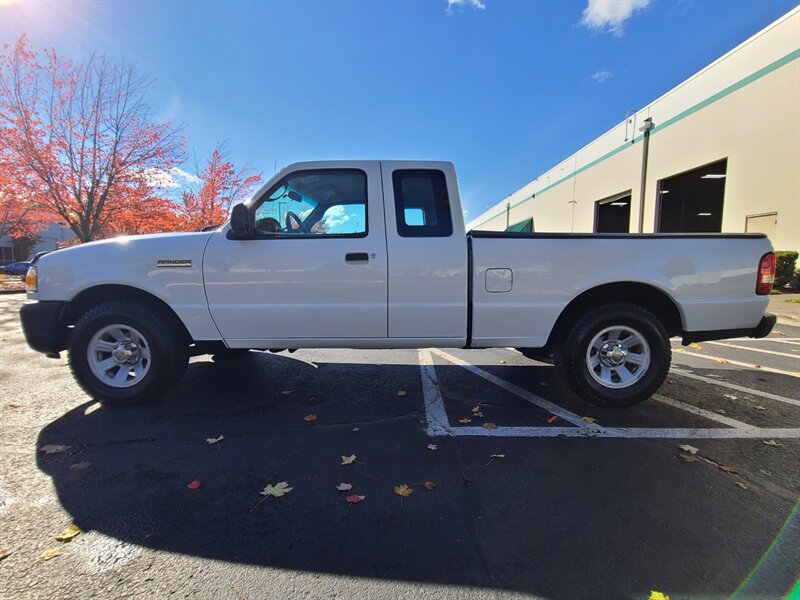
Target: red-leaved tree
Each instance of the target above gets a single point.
(83, 133)
(221, 185)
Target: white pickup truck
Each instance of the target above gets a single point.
(373, 254)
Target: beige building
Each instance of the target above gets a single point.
(722, 154)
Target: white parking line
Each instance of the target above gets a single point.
(438, 423)
(739, 363)
(756, 350)
(733, 386)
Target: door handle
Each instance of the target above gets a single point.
(356, 257)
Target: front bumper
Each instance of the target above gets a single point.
(40, 324)
(761, 330)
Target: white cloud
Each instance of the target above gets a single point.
(610, 15)
(460, 4)
(336, 216)
(173, 179)
(602, 76)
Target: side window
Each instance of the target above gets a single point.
(325, 202)
(422, 207)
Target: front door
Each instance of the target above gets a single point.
(316, 269)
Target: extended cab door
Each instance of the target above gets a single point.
(428, 253)
(315, 271)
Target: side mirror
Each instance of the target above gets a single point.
(241, 228)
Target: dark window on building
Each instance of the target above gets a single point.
(422, 207)
(613, 215)
(692, 201)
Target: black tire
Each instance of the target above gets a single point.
(168, 348)
(570, 356)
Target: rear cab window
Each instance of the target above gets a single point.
(422, 205)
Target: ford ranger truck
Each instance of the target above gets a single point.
(373, 254)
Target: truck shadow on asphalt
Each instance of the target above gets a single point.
(561, 518)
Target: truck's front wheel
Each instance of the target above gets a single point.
(616, 355)
(125, 353)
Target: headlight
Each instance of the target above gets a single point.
(32, 280)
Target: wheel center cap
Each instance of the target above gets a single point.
(612, 354)
(126, 353)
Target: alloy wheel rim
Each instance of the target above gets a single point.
(618, 357)
(119, 356)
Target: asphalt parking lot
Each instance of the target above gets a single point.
(533, 493)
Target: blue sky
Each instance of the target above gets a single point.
(504, 89)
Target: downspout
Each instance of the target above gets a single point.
(648, 125)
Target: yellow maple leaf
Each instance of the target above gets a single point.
(464, 420)
(50, 553)
(349, 460)
(658, 596)
(696, 346)
(403, 490)
(68, 534)
(276, 491)
(589, 420)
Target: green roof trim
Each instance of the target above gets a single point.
(525, 226)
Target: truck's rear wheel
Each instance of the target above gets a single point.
(125, 353)
(616, 355)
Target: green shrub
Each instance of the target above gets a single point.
(784, 267)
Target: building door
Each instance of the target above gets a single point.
(613, 215)
(762, 224)
(692, 202)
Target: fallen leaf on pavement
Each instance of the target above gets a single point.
(344, 487)
(743, 485)
(50, 553)
(403, 490)
(276, 491)
(354, 499)
(286, 392)
(493, 456)
(401, 392)
(756, 366)
(356, 429)
(688, 448)
(490, 426)
(12, 406)
(678, 350)
(765, 472)
(772, 443)
(731, 396)
(689, 458)
(80, 466)
(722, 361)
(553, 419)
(657, 596)
(589, 420)
(759, 407)
(348, 460)
(215, 440)
(429, 485)
(4, 553)
(54, 448)
(696, 346)
(433, 447)
(310, 418)
(194, 485)
(764, 379)
(464, 420)
(69, 533)
(477, 412)
(778, 332)
(727, 469)
(502, 362)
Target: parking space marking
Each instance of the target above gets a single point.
(439, 424)
(702, 412)
(783, 340)
(756, 350)
(733, 386)
(741, 364)
(550, 407)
